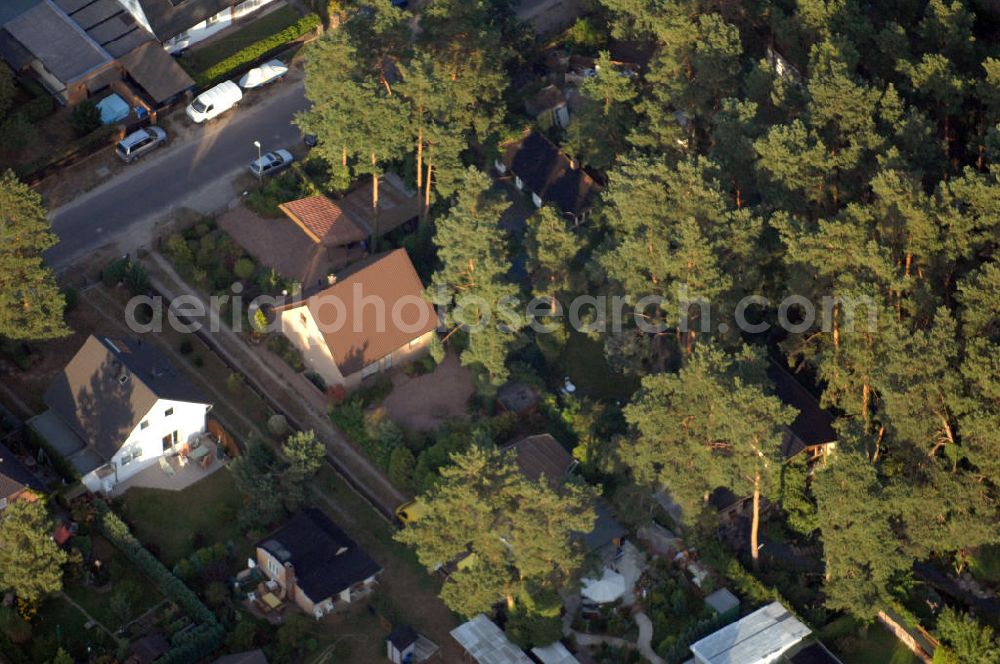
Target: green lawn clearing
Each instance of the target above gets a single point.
(126, 580)
(173, 524)
(859, 644)
(583, 361)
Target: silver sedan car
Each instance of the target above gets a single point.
(272, 162)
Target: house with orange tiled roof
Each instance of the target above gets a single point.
(373, 317)
(352, 219)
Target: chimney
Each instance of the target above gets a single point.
(288, 591)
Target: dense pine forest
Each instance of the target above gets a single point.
(841, 152)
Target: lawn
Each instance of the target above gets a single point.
(125, 578)
(173, 524)
(583, 361)
(60, 624)
(857, 644)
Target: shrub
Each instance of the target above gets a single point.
(316, 380)
(179, 251)
(85, 118)
(283, 348)
(244, 269)
(136, 279)
(198, 361)
(38, 108)
(186, 347)
(401, 465)
(277, 425)
(72, 298)
(16, 132)
(256, 51)
(235, 382)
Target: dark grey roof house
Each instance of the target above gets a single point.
(315, 563)
(540, 169)
(812, 429)
(63, 56)
(119, 402)
(79, 48)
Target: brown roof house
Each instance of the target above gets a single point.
(334, 229)
(315, 564)
(118, 407)
(372, 317)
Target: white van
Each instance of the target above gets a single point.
(213, 103)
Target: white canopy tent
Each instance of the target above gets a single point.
(609, 588)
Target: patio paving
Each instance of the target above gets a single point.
(154, 477)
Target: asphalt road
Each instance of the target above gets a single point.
(197, 172)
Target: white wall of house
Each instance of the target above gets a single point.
(301, 329)
(214, 24)
(178, 422)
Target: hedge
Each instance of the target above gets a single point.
(191, 645)
(256, 51)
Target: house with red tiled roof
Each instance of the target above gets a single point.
(352, 219)
(373, 317)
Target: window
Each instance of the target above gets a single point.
(144, 425)
(3, 503)
(212, 19)
(168, 412)
(370, 370)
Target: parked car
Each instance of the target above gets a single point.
(269, 72)
(271, 163)
(214, 102)
(139, 143)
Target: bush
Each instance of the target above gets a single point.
(256, 51)
(16, 132)
(125, 271)
(72, 298)
(401, 466)
(85, 118)
(38, 108)
(283, 187)
(316, 380)
(278, 425)
(283, 348)
(179, 251)
(186, 347)
(244, 269)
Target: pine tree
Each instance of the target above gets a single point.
(30, 561)
(707, 426)
(31, 305)
(472, 277)
(510, 532)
